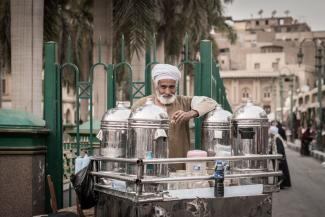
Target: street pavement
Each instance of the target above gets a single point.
(306, 197)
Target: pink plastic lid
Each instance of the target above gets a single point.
(197, 153)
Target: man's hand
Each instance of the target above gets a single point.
(180, 116)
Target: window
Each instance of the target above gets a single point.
(224, 50)
(257, 66)
(257, 23)
(245, 93)
(275, 66)
(4, 86)
(68, 117)
(68, 88)
(267, 93)
(266, 22)
(222, 62)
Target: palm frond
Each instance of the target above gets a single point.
(134, 19)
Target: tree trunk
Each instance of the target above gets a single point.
(103, 28)
(26, 54)
(84, 73)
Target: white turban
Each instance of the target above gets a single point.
(273, 130)
(165, 71)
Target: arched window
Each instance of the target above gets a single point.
(68, 88)
(267, 92)
(245, 93)
(68, 117)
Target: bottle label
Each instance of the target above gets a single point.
(196, 167)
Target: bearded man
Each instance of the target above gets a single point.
(180, 109)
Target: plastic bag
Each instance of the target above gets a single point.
(83, 183)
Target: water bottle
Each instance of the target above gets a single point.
(150, 167)
(218, 179)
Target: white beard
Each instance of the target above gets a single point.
(165, 99)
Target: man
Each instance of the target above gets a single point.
(180, 109)
(277, 147)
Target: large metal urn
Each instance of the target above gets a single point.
(216, 134)
(249, 127)
(114, 128)
(148, 130)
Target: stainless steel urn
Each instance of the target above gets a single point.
(249, 126)
(148, 130)
(114, 128)
(216, 134)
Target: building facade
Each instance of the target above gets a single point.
(262, 64)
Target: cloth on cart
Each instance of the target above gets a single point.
(83, 183)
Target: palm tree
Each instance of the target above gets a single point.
(171, 19)
(71, 19)
(103, 30)
(136, 20)
(65, 18)
(197, 17)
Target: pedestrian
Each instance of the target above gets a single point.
(277, 147)
(306, 138)
(180, 109)
(282, 132)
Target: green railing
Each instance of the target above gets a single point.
(207, 82)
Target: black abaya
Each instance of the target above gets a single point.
(283, 165)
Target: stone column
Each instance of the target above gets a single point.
(26, 54)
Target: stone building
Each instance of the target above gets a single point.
(262, 64)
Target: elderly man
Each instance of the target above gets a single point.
(180, 109)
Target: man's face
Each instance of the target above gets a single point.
(166, 91)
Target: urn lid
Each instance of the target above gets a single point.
(120, 113)
(149, 111)
(218, 115)
(249, 111)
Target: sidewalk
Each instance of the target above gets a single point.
(318, 155)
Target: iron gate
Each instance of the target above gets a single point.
(207, 82)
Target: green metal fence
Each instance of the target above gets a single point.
(207, 82)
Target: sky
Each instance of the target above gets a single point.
(310, 11)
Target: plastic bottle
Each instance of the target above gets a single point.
(196, 168)
(218, 179)
(150, 167)
(78, 164)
